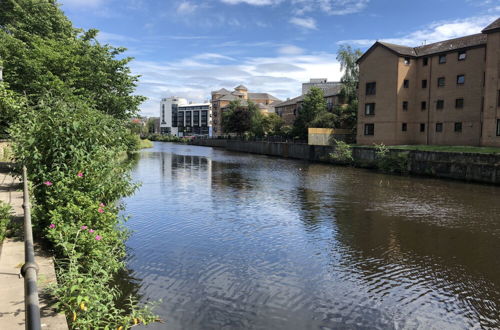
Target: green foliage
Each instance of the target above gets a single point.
(5, 217)
(10, 105)
(166, 138)
(391, 162)
(145, 143)
(313, 106)
(239, 119)
(43, 54)
(346, 115)
(342, 153)
(72, 153)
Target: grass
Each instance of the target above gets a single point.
(467, 149)
(145, 143)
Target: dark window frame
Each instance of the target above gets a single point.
(460, 57)
(459, 103)
(457, 127)
(424, 83)
(439, 127)
(460, 79)
(405, 105)
(404, 127)
(441, 82)
(425, 61)
(439, 104)
(371, 88)
(498, 127)
(407, 60)
(406, 83)
(442, 59)
(369, 129)
(422, 127)
(371, 107)
(423, 105)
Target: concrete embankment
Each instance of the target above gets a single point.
(452, 165)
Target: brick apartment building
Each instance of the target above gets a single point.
(445, 93)
(220, 101)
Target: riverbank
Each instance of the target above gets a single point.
(465, 166)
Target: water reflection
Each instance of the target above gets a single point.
(237, 241)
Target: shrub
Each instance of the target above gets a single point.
(72, 153)
(5, 217)
(342, 153)
(388, 162)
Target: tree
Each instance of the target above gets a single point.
(44, 54)
(313, 105)
(346, 115)
(237, 118)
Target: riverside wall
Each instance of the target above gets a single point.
(475, 167)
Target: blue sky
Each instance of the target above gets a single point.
(188, 48)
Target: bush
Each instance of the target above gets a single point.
(342, 153)
(72, 153)
(391, 162)
(5, 217)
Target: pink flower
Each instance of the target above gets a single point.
(102, 205)
(91, 231)
(48, 183)
(80, 174)
(52, 226)
(83, 227)
(98, 237)
(100, 210)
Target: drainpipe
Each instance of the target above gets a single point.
(429, 86)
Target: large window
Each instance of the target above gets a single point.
(441, 82)
(188, 118)
(369, 129)
(180, 119)
(458, 127)
(442, 59)
(370, 109)
(460, 79)
(204, 118)
(196, 118)
(371, 88)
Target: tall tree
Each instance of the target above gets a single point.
(44, 54)
(313, 105)
(238, 118)
(346, 114)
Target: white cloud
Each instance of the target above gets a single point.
(253, 2)
(300, 7)
(186, 7)
(304, 22)
(433, 32)
(195, 77)
(290, 50)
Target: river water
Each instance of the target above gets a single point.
(238, 241)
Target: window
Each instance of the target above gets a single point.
(405, 105)
(441, 82)
(406, 83)
(369, 129)
(407, 61)
(425, 61)
(422, 127)
(439, 127)
(460, 79)
(370, 109)
(498, 127)
(404, 127)
(458, 127)
(440, 104)
(442, 59)
(371, 88)
(423, 105)
(424, 83)
(459, 103)
(196, 118)
(462, 55)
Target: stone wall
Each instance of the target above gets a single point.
(453, 165)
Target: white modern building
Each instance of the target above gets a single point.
(180, 118)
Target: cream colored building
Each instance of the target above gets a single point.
(220, 101)
(445, 93)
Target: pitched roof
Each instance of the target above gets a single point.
(241, 87)
(493, 27)
(452, 44)
(261, 96)
(221, 91)
(228, 97)
(402, 50)
(334, 90)
(291, 101)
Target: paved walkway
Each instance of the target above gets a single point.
(11, 260)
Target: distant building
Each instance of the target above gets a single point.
(221, 99)
(321, 83)
(445, 93)
(180, 118)
(289, 109)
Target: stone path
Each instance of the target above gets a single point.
(11, 260)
